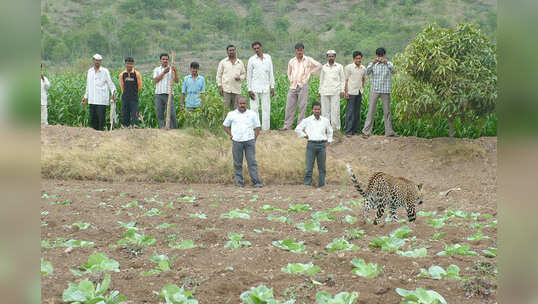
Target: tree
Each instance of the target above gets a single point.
(60, 52)
(282, 24)
(133, 38)
(450, 73)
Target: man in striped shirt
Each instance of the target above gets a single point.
(300, 68)
(98, 87)
(380, 71)
(162, 78)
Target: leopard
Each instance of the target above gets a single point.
(386, 191)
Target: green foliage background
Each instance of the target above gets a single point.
(73, 30)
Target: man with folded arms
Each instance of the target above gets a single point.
(99, 87)
(319, 133)
(331, 89)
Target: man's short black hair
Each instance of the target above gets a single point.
(129, 59)
(195, 65)
(230, 46)
(299, 46)
(380, 51)
(256, 43)
(163, 54)
(357, 53)
(315, 103)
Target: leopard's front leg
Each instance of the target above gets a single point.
(411, 212)
(380, 212)
(393, 211)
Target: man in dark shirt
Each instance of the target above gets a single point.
(131, 84)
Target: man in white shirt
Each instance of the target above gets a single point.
(245, 128)
(355, 77)
(261, 83)
(45, 85)
(99, 87)
(319, 133)
(230, 75)
(331, 89)
(162, 79)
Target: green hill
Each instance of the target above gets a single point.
(73, 30)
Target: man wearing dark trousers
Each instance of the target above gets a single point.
(243, 127)
(319, 133)
(355, 74)
(162, 78)
(98, 85)
(131, 84)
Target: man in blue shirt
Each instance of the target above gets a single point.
(194, 88)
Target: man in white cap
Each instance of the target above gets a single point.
(99, 86)
(331, 89)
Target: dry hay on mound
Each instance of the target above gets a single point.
(169, 156)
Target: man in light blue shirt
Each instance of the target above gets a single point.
(194, 88)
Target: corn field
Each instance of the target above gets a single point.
(67, 90)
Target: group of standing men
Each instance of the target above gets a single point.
(242, 125)
(336, 82)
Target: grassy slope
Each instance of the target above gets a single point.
(324, 19)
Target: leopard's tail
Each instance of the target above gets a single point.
(355, 181)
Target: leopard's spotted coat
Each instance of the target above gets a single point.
(385, 191)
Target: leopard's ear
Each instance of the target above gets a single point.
(419, 187)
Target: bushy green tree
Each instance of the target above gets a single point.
(449, 73)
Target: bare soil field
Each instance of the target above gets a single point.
(465, 215)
